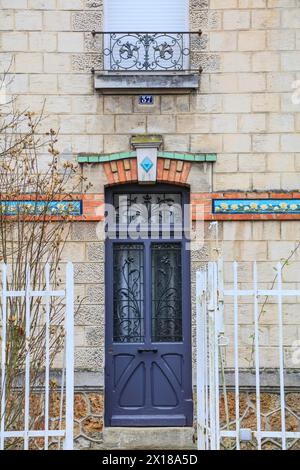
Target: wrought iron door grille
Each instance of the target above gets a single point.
(128, 300)
(146, 51)
(166, 293)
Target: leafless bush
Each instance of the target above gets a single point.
(28, 240)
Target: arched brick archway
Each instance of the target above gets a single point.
(168, 171)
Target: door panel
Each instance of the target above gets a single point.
(163, 392)
(148, 334)
(132, 395)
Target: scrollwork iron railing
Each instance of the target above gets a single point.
(146, 51)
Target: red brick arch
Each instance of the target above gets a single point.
(168, 171)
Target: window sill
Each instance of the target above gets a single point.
(156, 82)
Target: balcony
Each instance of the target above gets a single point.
(155, 62)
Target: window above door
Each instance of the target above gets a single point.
(146, 45)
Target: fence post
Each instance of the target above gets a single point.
(257, 357)
(201, 359)
(47, 355)
(217, 329)
(27, 358)
(211, 285)
(236, 354)
(68, 443)
(281, 354)
(3, 353)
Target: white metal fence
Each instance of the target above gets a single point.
(211, 341)
(65, 428)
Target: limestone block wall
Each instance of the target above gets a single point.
(246, 110)
(243, 109)
(267, 243)
(243, 242)
(89, 281)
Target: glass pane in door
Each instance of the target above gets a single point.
(128, 293)
(166, 292)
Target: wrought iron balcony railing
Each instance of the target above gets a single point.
(147, 52)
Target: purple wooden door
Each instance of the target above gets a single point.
(148, 332)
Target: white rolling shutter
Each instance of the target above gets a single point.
(146, 15)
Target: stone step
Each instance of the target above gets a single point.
(148, 438)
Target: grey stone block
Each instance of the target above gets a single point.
(95, 252)
(94, 336)
(85, 231)
(89, 358)
(93, 43)
(95, 294)
(89, 315)
(89, 272)
(88, 381)
(85, 62)
(208, 62)
(87, 20)
(199, 42)
(205, 20)
(199, 258)
(199, 4)
(94, 4)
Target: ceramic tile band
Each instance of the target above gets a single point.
(256, 206)
(58, 208)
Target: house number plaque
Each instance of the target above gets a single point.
(146, 99)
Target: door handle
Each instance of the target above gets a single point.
(141, 350)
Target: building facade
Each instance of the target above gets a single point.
(200, 99)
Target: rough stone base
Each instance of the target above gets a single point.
(90, 434)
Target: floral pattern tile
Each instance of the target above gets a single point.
(73, 208)
(256, 206)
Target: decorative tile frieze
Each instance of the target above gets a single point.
(33, 208)
(216, 206)
(256, 206)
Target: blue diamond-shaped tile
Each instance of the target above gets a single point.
(146, 164)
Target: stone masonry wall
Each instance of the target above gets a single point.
(89, 433)
(243, 111)
(243, 242)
